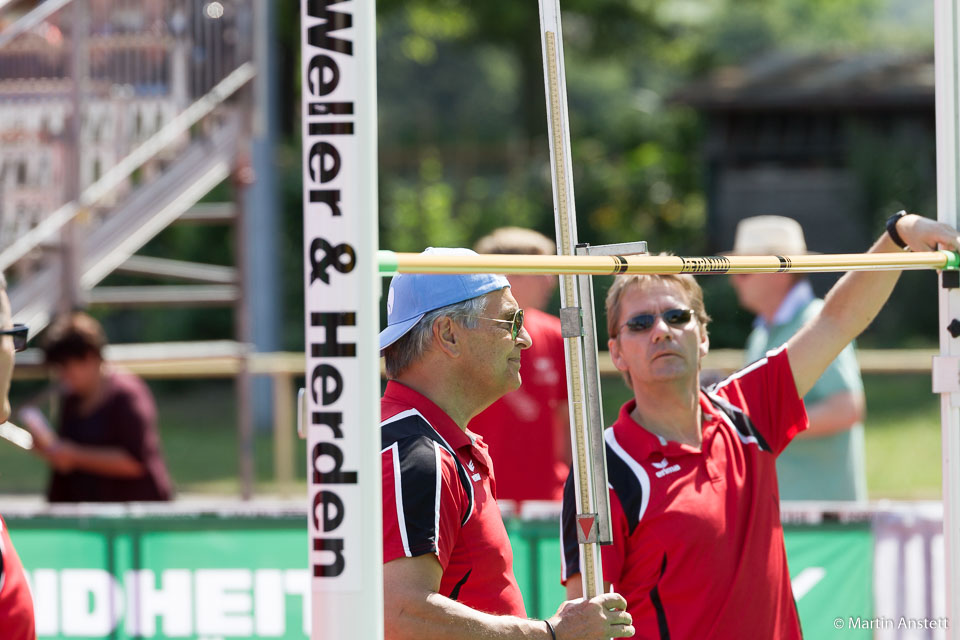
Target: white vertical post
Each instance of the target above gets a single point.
(948, 198)
(341, 295)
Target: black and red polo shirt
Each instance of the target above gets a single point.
(698, 547)
(16, 603)
(439, 497)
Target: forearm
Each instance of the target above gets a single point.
(433, 616)
(850, 306)
(574, 586)
(856, 299)
(105, 461)
(834, 414)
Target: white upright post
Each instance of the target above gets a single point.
(341, 317)
(948, 198)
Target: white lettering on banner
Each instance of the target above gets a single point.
(330, 170)
(268, 602)
(203, 602)
(224, 604)
(46, 601)
(172, 603)
(298, 582)
(91, 600)
(807, 580)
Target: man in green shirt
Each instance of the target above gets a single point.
(825, 462)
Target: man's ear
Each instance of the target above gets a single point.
(446, 336)
(704, 342)
(613, 347)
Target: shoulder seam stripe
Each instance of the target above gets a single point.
(400, 416)
(436, 500)
(747, 369)
(635, 467)
(398, 498)
(410, 413)
(745, 439)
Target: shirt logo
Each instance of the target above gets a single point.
(663, 469)
(476, 476)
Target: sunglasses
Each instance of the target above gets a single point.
(516, 323)
(19, 333)
(643, 321)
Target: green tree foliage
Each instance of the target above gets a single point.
(462, 112)
(462, 130)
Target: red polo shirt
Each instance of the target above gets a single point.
(439, 497)
(698, 546)
(16, 604)
(527, 430)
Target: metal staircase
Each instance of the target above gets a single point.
(130, 225)
(122, 116)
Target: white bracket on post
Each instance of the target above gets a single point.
(301, 413)
(946, 377)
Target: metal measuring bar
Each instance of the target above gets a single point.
(565, 218)
(591, 378)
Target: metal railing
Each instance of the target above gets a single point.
(227, 358)
(98, 98)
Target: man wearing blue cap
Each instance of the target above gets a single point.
(452, 347)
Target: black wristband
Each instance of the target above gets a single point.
(553, 633)
(892, 229)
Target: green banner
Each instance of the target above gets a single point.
(831, 568)
(240, 577)
(204, 577)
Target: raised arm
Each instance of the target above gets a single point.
(856, 299)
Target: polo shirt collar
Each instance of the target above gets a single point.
(796, 299)
(641, 444)
(437, 417)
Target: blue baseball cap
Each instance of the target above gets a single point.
(412, 295)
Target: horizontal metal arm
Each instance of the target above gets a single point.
(391, 262)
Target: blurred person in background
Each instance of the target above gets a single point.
(16, 603)
(527, 430)
(106, 448)
(827, 461)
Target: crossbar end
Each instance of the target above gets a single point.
(387, 261)
(953, 260)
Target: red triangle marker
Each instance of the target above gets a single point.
(586, 524)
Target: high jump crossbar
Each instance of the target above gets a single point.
(391, 262)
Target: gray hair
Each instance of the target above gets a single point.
(408, 349)
(3, 282)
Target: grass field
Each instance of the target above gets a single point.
(197, 425)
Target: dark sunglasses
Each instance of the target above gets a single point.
(516, 323)
(19, 333)
(643, 321)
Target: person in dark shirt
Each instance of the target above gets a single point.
(107, 448)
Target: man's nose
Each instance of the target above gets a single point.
(524, 339)
(660, 329)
